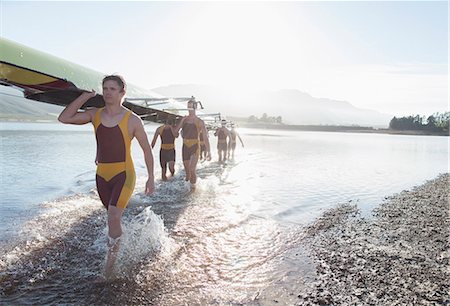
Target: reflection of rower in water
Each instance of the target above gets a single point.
(167, 153)
(191, 127)
(232, 143)
(222, 134)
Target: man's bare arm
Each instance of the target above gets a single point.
(179, 125)
(72, 115)
(155, 137)
(141, 137)
(206, 139)
(242, 143)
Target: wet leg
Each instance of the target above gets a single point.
(163, 172)
(193, 169)
(187, 169)
(172, 168)
(114, 234)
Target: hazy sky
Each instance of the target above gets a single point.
(387, 56)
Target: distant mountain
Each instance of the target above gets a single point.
(294, 106)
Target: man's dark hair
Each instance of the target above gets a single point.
(170, 121)
(118, 79)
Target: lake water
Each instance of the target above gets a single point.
(235, 239)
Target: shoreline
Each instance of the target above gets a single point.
(400, 256)
(284, 127)
(341, 129)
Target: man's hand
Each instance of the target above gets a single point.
(150, 186)
(208, 156)
(89, 94)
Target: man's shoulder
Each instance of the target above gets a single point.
(135, 119)
(92, 112)
(133, 116)
(198, 120)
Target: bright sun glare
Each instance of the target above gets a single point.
(251, 45)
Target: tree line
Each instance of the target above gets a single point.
(265, 119)
(438, 122)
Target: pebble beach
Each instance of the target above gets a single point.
(400, 256)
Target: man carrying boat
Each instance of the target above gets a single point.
(232, 144)
(115, 127)
(222, 134)
(191, 127)
(167, 153)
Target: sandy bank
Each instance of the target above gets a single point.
(400, 257)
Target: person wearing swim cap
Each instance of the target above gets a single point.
(232, 144)
(222, 134)
(191, 126)
(115, 127)
(167, 153)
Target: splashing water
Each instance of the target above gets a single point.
(144, 236)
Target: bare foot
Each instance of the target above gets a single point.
(113, 249)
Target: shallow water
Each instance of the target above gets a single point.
(235, 239)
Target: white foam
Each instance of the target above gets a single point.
(143, 236)
(55, 221)
(145, 233)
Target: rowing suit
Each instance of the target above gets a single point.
(222, 139)
(167, 152)
(115, 174)
(233, 135)
(191, 142)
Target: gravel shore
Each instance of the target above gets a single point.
(399, 257)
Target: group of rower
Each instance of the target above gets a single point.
(115, 127)
(195, 143)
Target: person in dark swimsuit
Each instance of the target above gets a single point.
(222, 134)
(167, 153)
(115, 127)
(191, 126)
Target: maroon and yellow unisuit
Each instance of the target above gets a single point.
(167, 152)
(191, 140)
(115, 175)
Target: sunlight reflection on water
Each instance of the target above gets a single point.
(235, 239)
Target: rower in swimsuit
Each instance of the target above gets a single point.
(115, 127)
(222, 134)
(167, 153)
(191, 126)
(232, 145)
